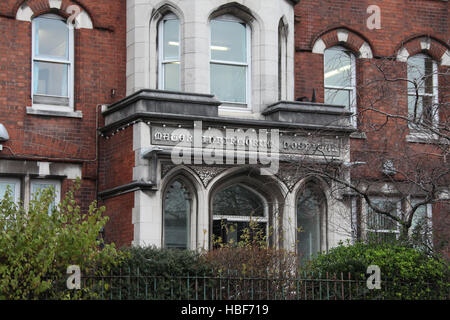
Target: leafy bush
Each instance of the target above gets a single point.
(163, 262)
(39, 243)
(252, 261)
(406, 273)
(152, 273)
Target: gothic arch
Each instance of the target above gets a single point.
(311, 193)
(189, 184)
(269, 188)
(164, 8)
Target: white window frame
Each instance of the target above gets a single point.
(435, 95)
(352, 88)
(17, 187)
(233, 219)
(396, 231)
(70, 63)
(161, 61)
(236, 106)
(55, 183)
(429, 214)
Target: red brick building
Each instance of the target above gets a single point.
(324, 74)
(59, 142)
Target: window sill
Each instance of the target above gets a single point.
(49, 111)
(358, 135)
(422, 137)
(239, 107)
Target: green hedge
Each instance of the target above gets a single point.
(152, 273)
(406, 273)
(163, 262)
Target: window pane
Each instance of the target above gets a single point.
(424, 109)
(309, 209)
(234, 232)
(420, 71)
(228, 83)
(419, 217)
(172, 76)
(52, 38)
(228, 41)
(377, 221)
(50, 79)
(4, 187)
(338, 68)
(171, 31)
(41, 187)
(413, 110)
(381, 237)
(338, 97)
(176, 217)
(238, 201)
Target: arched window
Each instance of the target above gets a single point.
(169, 53)
(230, 61)
(340, 77)
(310, 221)
(422, 102)
(53, 61)
(282, 60)
(233, 209)
(177, 215)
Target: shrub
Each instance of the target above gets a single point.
(39, 243)
(251, 261)
(163, 262)
(406, 273)
(160, 274)
(251, 258)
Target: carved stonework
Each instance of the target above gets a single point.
(166, 167)
(290, 176)
(207, 173)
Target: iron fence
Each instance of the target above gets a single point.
(229, 286)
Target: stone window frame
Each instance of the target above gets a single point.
(161, 61)
(323, 215)
(265, 219)
(189, 186)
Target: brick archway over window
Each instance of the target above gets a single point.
(424, 44)
(343, 37)
(27, 10)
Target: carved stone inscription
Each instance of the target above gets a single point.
(247, 139)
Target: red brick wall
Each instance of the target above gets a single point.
(100, 62)
(116, 159)
(119, 228)
(400, 20)
(116, 169)
(402, 23)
